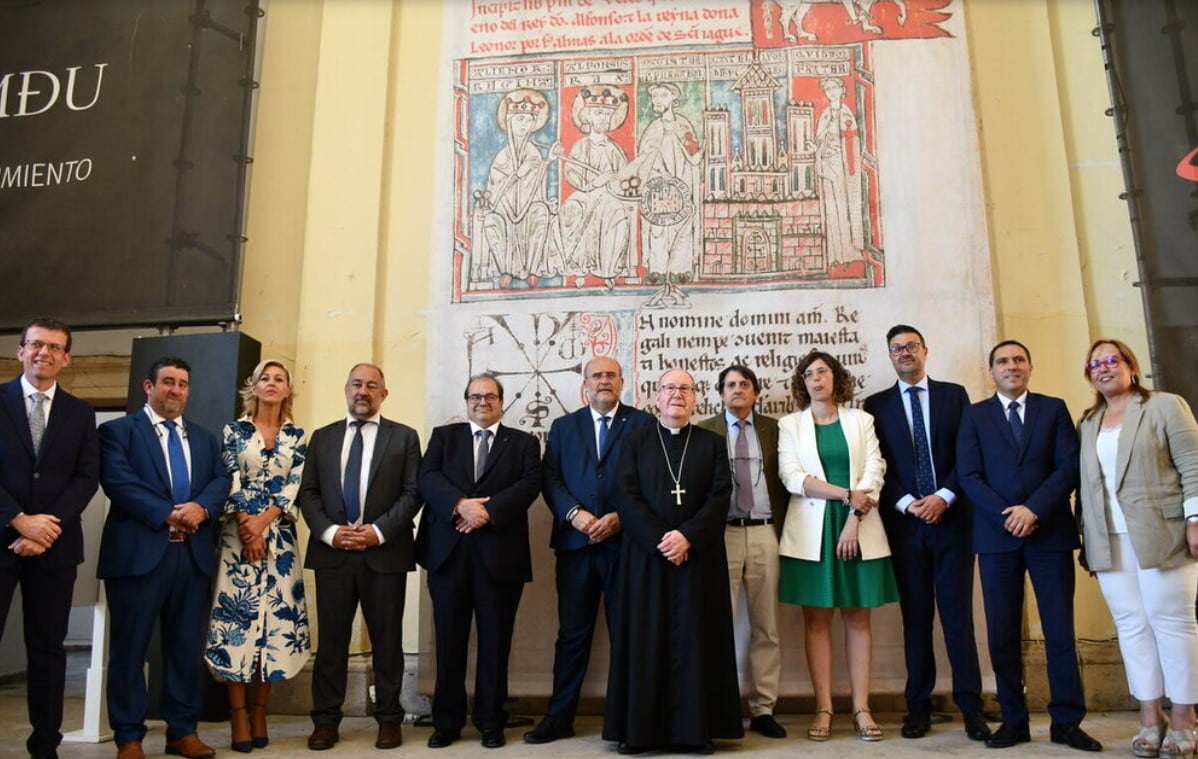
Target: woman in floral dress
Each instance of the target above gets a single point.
(258, 631)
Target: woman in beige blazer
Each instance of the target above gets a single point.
(834, 553)
(1139, 521)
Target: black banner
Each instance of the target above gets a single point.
(123, 136)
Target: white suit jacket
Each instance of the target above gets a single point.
(798, 459)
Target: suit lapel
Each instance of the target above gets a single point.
(501, 438)
(898, 417)
(809, 454)
(1131, 424)
(617, 428)
(145, 430)
(14, 405)
(997, 411)
(382, 438)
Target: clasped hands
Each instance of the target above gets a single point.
(597, 529)
(675, 547)
(38, 532)
(928, 509)
(355, 537)
(861, 502)
(1021, 521)
(251, 529)
(472, 514)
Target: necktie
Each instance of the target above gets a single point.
(603, 432)
(925, 478)
(180, 478)
(37, 421)
(351, 485)
(1015, 422)
(744, 472)
(480, 454)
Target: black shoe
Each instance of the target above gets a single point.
(916, 725)
(767, 726)
(551, 729)
(976, 727)
(624, 748)
(1073, 736)
(493, 738)
(1008, 735)
(51, 754)
(443, 738)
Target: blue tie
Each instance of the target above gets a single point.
(1015, 422)
(180, 479)
(351, 485)
(925, 478)
(603, 432)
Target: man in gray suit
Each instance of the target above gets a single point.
(359, 498)
(755, 516)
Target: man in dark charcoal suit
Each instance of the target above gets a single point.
(929, 525)
(49, 468)
(358, 495)
(478, 479)
(167, 484)
(1017, 459)
(580, 489)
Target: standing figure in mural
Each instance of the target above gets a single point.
(594, 221)
(838, 167)
(667, 163)
(516, 212)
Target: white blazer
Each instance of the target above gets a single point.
(798, 459)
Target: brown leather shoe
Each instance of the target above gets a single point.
(130, 750)
(390, 735)
(323, 737)
(190, 747)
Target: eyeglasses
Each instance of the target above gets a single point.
(679, 389)
(35, 346)
(481, 397)
(820, 372)
(912, 348)
(1095, 364)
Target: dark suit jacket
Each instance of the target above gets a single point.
(512, 480)
(1040, 473)
(391, 502)
(575, 476)
(767, 438)
(135, 479)
(61, 483)
(946, 403)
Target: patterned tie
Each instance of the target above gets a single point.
(925, 478)
(37, 421)
(603, 432)
(744, 472)
(1015, 422)
(180, 478)
(351, 485)
(480, 453)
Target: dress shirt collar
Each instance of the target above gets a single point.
(27, 389)
(922, 385)
(611, 415)
(156, 420)
(350, 419)
(494, 428)
(732, 418)
(1005, 401)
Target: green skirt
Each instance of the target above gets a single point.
(833, 583)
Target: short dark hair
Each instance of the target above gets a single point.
(482, 375)
(1004, 344)
(842, 387)
(743, 371)
(899, 329)
(47, 322)
(172, 361)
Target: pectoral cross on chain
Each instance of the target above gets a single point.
(678, 492)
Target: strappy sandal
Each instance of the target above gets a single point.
(1180, 742)
(866, 732)
(1147, 743)
(818, 732)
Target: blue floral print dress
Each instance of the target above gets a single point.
(259, 617)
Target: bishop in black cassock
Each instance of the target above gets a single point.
(672, 682)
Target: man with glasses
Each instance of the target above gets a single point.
(49, 468)
(755, 515)
(928, 523)
(580, 489)
(478, 479)
(672, 682)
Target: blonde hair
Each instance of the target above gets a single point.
(249, 401)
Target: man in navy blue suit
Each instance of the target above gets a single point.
(1017, 460)
(167, 484)
(478, 479)
(928, 523)
(580, 489)
(49, 463)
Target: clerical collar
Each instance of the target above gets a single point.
(673, 431)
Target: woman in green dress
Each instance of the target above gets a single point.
(833, 547)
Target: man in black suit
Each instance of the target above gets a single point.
(478, 480)
(49, 469)
(928, 523)
(1017, 458)
(580, 489)
(358, 495)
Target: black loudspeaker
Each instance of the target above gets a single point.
(220, 362)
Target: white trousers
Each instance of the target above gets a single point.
(1154, 614)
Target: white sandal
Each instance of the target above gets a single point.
(1180, 742)
(1147, 743)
